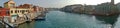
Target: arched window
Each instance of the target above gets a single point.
(15, 11)
(11, 11)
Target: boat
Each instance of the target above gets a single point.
(40, 18)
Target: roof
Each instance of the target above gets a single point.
(24, 6)
(4, 8)
(9, 1)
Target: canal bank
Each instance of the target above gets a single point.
(58, 19)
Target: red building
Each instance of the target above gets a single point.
(25, 6)
(4, 12)
(37, 8)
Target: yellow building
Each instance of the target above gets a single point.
(21, 10)
(9, 4)
(15, 11)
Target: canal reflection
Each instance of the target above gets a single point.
(108, 19)
(27, 25)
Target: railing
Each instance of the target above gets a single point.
(6, 24)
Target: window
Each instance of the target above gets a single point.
(18, 11)
(23, 11)
(26, 11)
(15, 11)
(11, 11)
(11, 5)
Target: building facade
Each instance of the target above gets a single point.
(14, 12)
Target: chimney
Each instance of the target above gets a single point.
(112, 2)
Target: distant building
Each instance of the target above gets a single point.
(103, 8)
(67, 8)
(118, 6)
(38, 9)
(106, 9)
(77, 8)
(89, 9)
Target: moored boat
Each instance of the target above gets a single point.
(40, 18)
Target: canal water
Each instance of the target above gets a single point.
(59, 19)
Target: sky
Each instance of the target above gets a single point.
(57, 3)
